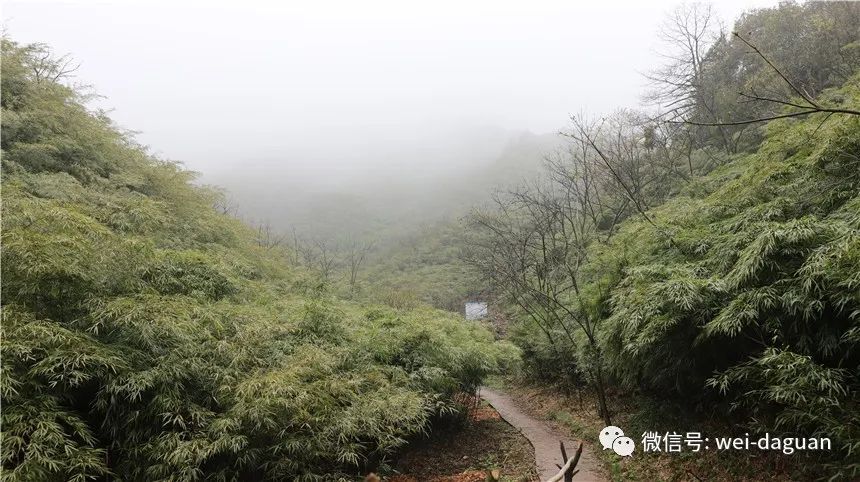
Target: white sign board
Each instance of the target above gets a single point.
(476, 310)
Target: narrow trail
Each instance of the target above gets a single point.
(543, 438)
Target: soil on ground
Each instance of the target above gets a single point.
(465, 454)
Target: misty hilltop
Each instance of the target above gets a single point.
(435, 184)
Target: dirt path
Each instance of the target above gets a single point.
(543, 438)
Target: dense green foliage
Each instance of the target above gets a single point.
(147, 336)
(759, 297)
(712, 267)
(424, 267)
(714, 78)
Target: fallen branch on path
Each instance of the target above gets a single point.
(567, 471)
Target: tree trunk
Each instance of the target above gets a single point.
(601, 397)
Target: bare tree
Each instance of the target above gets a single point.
(679, 87)
(47, 68)
(327, 261)
(295, 247)
(268, 237)
(356, 252)
(804, 103)
(688, 32)
(532, 248)
(226, 205)
(623, 157)
(534, 242)
(581, 184)
(321, 256)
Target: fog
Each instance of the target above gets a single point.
(275, 101)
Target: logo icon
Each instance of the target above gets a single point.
(608, 435)
(623, 446)
(612, 437)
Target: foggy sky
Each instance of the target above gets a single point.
(318, 90)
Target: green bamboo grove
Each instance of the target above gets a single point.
(147, 337)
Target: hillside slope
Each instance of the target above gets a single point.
(740, 297)
(147, 336)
